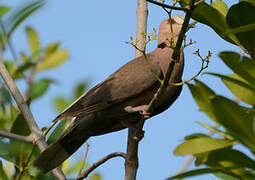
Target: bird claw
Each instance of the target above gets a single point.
(139, 134)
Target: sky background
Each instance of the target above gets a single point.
(95, 32)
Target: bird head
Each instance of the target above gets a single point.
(165, 29)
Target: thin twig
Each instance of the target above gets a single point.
(98, 163)
(21, 103)
(168, 6)
(16, 137)
(84, 159)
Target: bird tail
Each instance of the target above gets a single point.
(69, 142)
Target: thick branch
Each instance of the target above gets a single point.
(16, 137)
(168, 6)
(131, 162)
(35, 131)
(98, 163)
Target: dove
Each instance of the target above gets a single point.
(103, 109)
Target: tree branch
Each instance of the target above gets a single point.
(36, 133)
(16, 137)
(131, 162)
(168, 6)
(98, 163)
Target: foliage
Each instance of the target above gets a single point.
(237, 26)
(16, 156)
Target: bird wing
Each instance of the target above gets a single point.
(130, 80)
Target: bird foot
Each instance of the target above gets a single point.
(139, 134)
(141, 109)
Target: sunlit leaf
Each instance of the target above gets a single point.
(195, 135)
(3, 176)
(55, 59)
(237, 121)
(244, 67)
(3, 10)
(75, 168)
(202, 95)
(33, 39)
(200, 145)
(95, 176)
(238, 87)
(79, 90)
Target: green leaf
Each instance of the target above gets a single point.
(244, 67)
(76, 168)
(5, 95)
(202, 95)
(200, 145)
(240, 29)
(3, 10)
(79, 90)
(21, 150)
(213, 16)
(239, 15)
(195, 173)
(249, 1)
(23, 13)
(230, 158)
(238, 87)
(55, 59)
(95, 176)
(58, 130)
(33, 39)
(52, 47)
(3, 176)
(60, 104)
(5, 149)
(195, 135)
(237, 121)
(39, 88)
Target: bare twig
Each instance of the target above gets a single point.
(98, 163)
(16, 137)
(35, 131)
(84, 159)
(168, 6)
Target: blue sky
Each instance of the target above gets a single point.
(95, 34)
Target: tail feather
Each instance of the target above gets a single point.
(63, 147)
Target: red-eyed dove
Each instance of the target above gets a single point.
(103, 108)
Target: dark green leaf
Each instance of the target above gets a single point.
(213, 16)
(3, 10)
(195, 173)
(200, 145)
(58, 130)
(202, 95)
(5, 149)
(39, 88)
(5, 96)
(235, 119)
(239, 15)
(195, 135)
(22, 14)
(238, 87)
(249, 1)
(244, 67)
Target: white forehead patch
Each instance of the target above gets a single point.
(178, 20)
